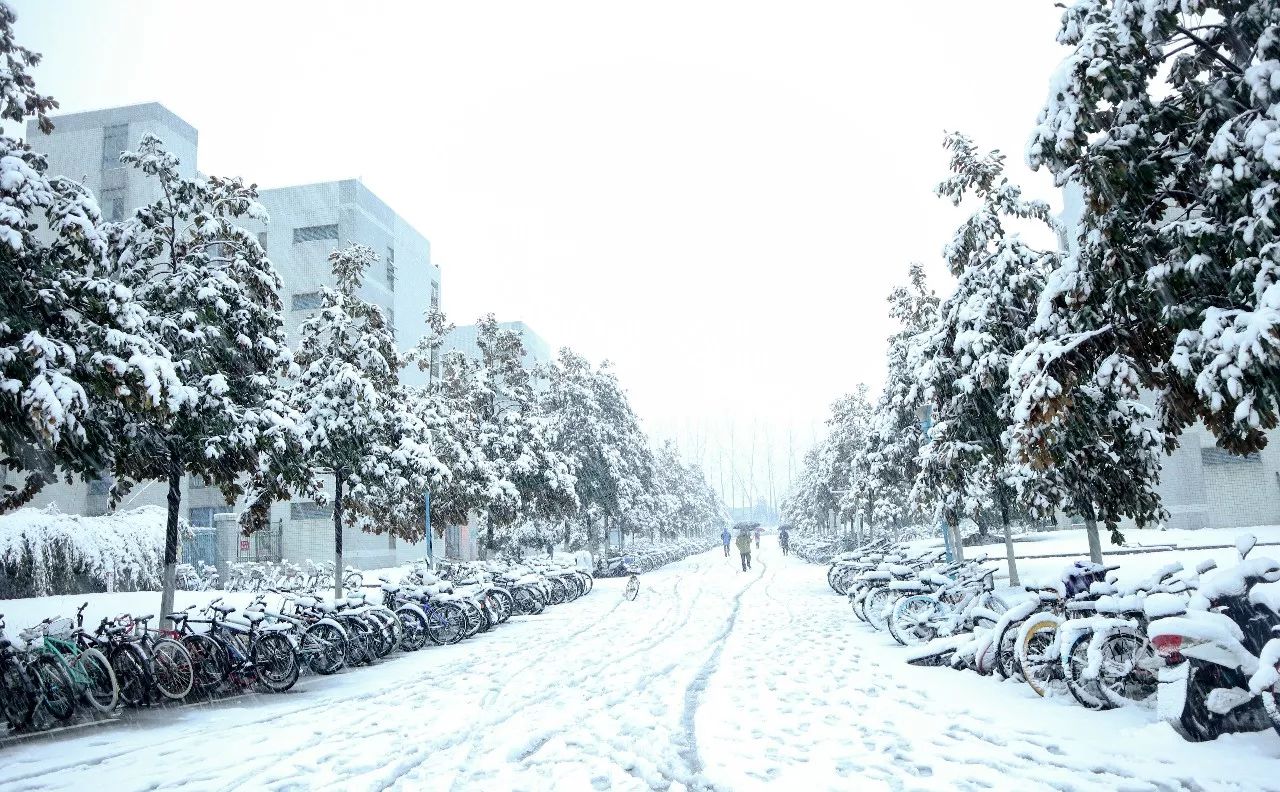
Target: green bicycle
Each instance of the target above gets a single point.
(91, 676)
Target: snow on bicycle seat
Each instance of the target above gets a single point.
(253, 617)
(306, 602)
(936, 578)
(877, 574)
(178, 616)
(223, 609)
(390, 588)
(909, 585)
(900, 571)
(429, 579)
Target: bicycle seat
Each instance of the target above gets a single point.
(224, 609)
(178, 616)
(146, 618)
(306, 602)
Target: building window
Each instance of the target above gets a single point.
(391, 268)
(112, 204)
(435, 296)
(315, 233)
(262, 241)
(202, 516)
(115, 139)
(198, 481)
(1219, 456)
(307, 301)
(306, 510)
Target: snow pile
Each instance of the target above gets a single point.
(43, 551)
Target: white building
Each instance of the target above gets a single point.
(307, 222)
(1202, 485)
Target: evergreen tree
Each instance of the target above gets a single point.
(965, 356)
(356, 418)
(1162, 114)
(72, 341)
(212, 299)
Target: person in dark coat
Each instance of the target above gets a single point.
(744, 548)
(784, 540)
(726, 537)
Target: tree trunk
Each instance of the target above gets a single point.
(1095, 543)
(171, 540)
(1008, 542)
(338, 568)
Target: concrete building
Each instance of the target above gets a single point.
(307, 222)
(1201, 484)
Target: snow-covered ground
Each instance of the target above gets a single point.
(712, 678)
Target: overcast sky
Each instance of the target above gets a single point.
(717, 197)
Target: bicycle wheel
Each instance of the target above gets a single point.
(556, 588)
(172, 668)
(358, 649)
(446, 624)
(130, 666)
(210, 661)
(633, 588)
(1006, 666)
(1127, 675)
(506, 605)
(413, 630)
(1040, 664)
(1075, 662)
(526, 604)
(387, 629)
(101, 689)
(324, 648)
(912, 620)
(275, 661)
(17, 695)
(877, 607)
(588, 582)
(57, 690)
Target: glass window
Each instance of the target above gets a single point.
(202, 516)
(307, 301)
(391, 268)
(315, 233)
(111, 202)
(306, 510)
(262, 240)
(435, 296)
(115, 139)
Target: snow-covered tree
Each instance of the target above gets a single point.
(355, 416)
(212, 299)
(887, 468)
(71, 340)
(592, 424)
(980, 327)
(1163, 114)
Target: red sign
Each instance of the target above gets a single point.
(244, 544)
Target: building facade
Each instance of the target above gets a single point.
(307, 222)
(536, 349)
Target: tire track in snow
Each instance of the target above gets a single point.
(693, 693)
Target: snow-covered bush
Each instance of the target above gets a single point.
(43, 551)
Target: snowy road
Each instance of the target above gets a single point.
(712, 678)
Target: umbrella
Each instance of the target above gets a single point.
(746, 526)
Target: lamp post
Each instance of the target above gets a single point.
(340, 475)
(925, 413)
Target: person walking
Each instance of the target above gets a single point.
(784, 539)
(744, 548)
(758, 532)
(725, 536)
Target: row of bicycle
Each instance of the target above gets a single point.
(59, 668)
(1201, 644)
(645, 556)
(264, 576)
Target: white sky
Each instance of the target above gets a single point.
(715, 196)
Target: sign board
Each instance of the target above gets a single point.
(244, 545)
